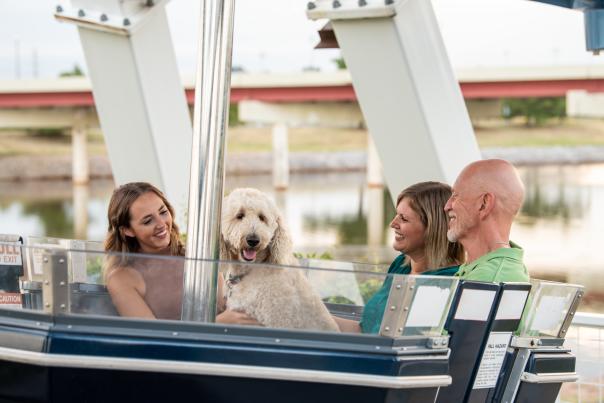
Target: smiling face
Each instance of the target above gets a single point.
(409, 231)
(150, 223)
(462, 211)
(248, 225)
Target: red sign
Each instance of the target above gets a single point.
(10, 299)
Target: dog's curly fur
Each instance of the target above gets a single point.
(253, 231)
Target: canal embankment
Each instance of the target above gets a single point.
(59, 167)
(313, 150)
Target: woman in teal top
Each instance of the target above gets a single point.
(374, 308)
(420, 234)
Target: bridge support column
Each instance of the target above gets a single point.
(375, 216)
(375, 177)
(280, 157)
(584, 104)
(79, 148)
(81, 193)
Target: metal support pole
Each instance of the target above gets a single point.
(207, 159)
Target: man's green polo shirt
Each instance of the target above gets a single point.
(499, 266)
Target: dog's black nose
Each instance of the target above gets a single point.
(252, 240)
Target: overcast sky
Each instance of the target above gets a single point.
(274, 35)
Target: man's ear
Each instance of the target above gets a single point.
(487, 204)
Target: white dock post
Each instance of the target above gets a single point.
(280, 157)
(375, 216)
(79, 148)
(375, 177)
(81, 195)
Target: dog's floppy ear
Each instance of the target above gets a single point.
(280, 247)
(224, 250)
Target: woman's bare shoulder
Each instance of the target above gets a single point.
(119, 277)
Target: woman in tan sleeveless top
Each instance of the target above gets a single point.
(149, 285)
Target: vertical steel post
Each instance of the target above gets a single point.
(207, 158)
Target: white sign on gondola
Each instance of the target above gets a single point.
(428, 306)
(511, 305)
(492, 360)
(475, 305)
(10, 255)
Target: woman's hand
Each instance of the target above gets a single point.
(347, 325)
(236, 318)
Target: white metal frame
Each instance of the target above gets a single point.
(138, 93)
(406, 88)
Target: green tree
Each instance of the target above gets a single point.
(234, 114)
(340, 63)
(536, 111)
(75, 72)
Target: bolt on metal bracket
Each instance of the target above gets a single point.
(55, 284)
(351, 9)
(398, 305)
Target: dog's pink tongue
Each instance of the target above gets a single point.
(249, 254)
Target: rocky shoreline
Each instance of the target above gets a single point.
(19, 168)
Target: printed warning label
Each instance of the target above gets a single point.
(12, 300)
(10, 255)
(492, 360)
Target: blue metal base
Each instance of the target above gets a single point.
(65, 345)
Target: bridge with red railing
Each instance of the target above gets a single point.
(483, 83)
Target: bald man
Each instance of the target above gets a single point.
(486, 197)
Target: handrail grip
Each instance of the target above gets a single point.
(555, 377)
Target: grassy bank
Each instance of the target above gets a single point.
(568, 132)
(495, 133)
(15, 143)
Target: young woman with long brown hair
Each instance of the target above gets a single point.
(141, 278)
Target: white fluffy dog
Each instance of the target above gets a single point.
(253, 231)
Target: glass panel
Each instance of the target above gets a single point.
(78, 263)
(418, 305)
(546, 309)
(330, 297)
(333, 280)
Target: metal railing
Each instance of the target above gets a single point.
(586, 339)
